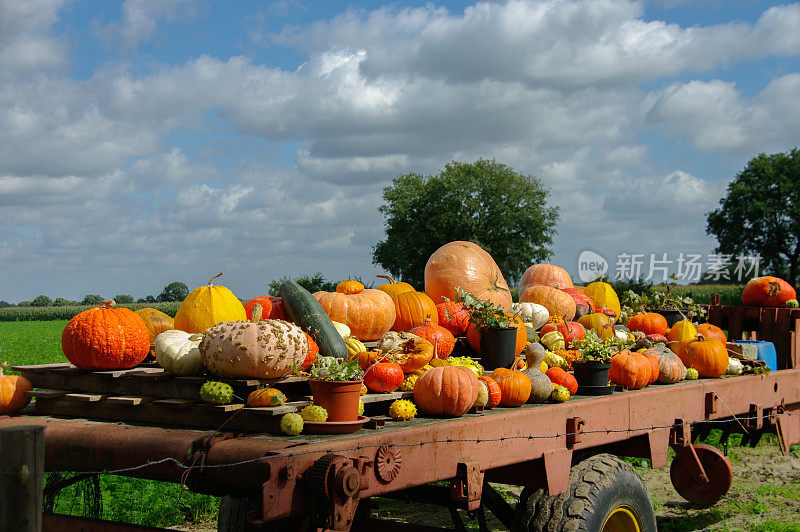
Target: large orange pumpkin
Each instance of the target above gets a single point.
(446, 391)
(767, 292)
(105, 338)
(545, 274)
(12, 391)
(469, 266)
(712, 331)
(556, 302)
(369, 313)
(708, 356)
(155, 321)
(649, 323)
(515, 386)
(443, 340)
(412, 309)
(631, 370)
(474, 337)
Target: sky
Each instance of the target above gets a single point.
(149, 141)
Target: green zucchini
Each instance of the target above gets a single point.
(308, 314)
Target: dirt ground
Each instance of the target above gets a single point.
(765, 496)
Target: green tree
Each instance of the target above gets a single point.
(312, 283)
(760, 214)
(174, 291)
(148, 299)
(5, 304)
(41, 301)
(92, 299)
(123, 299)
(486, 202)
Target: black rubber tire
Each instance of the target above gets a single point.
(597, 486)
(232, 517)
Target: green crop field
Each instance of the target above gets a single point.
(31, 342)
(67, 312)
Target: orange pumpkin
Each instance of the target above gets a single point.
(383, 377)
(469, 266)
(547, 275)
(12, 391)
(394, 288)
(446, 391)
(105, 338)
(443, 340)
(515, 386)
(649, 323)
(407, 349)
(412, 309)
(558, 303)
(453, 317)
(767, 292)
(495, 394)
(266, 307)
(155, 321)
(311, 356)
(349, 287)
(474, 337)
(630, 369)
(562, 378)
(712, 331)
(369, 313)
(655, 366)
(278, 312)
(266, 397)
(708, 356)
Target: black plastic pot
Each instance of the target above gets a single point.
(591, 373)
(498, 347)
(672, 316)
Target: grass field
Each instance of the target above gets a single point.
(765, 495)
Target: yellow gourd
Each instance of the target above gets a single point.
(206, 306)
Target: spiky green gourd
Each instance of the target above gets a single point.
(692, 374)
(292, 424)
(402, 410)
(216, 393)
(314, 413)
(560, 394)
(792, 303)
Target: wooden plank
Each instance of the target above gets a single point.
(175, 403)
(39, 367)
(83, 397)
(289, 406)
(386, 397)
(128, 400)
(226, 408)
(783, 339)
(796, 344)
(45, 394)
(735, 323)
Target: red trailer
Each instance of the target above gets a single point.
(145, 424)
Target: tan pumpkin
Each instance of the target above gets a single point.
(249, 350)
(155, 321)
(446, 391)
(368, 314)
(556, 302)
(206, 306)
(469, 266)
(547, 275)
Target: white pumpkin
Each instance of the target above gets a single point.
(177, 352)
(735, 367)
(533, 313)
(342, 329)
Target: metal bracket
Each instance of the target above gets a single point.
(574, 429)
(681, 443)
(467, 486)
(336, 484)
(710, 404)
(755, 416)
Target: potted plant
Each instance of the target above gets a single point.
(496, 329)
(336, 386)
(591, 371)
(673, 306)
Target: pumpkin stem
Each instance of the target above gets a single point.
(391, 281)
(4, 364)
(258, 311)
(211, 281)
(108, 303)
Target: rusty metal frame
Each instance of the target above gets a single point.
(503, 444)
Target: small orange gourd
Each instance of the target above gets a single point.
(12, 391)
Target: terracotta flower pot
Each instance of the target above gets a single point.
(338, 398)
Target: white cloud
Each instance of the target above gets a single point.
(140, 19)
(26, 46)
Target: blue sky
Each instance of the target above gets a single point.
(148, 141)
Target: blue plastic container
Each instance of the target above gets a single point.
(766, 352)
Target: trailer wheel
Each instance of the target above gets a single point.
(232, 517)
(605, 494)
